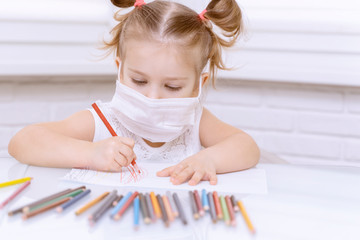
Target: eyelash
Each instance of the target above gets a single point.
(140, 83)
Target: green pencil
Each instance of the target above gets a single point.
(71, 194)
(225, 210)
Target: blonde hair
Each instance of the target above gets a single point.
(174, 22)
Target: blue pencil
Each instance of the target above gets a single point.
(116, 209)
(73, 200)
(136, 213)
(205, 201)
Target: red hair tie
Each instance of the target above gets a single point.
(201, 15)
(139, 3)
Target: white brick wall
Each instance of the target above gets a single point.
(309, 124)
(306, 124)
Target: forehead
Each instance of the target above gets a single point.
(160, 58)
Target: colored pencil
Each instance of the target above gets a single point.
(198, 203)
(233, 201)
(16, 181)
(167, 207)
(194, 208)
(136, 213)
(144, 209)
(163, 211)
(120, 204)
(212, 207)
(91, 203)
(204, 200)
(231, 210)
(179, 208)
(26, 208)
(111, 130)
(72, 201)
(155, 205)
(71, 194)
(16, 193)
(117, 200)
(225, 210)
(150, 207)
(218, 209)
(246, 217)
(125, 206)
(172, 204)
(106, 205)
(45, 208)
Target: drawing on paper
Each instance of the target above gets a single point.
(125, 176)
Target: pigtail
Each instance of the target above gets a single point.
(123, 3)
(226, 15)
(112, 46)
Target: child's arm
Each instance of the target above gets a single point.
(227, 149)
(68, 143)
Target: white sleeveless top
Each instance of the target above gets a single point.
(175, 151)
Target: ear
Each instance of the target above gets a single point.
(204, 78)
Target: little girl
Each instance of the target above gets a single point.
(157, 111)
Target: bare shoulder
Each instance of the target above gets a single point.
(80, 125)
(213, 130)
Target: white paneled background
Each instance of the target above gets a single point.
(295, 89)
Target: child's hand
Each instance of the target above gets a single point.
(112, 154)
(194, 169)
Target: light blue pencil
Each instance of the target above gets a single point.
(116, 209)
(136, 212)
(205, 201)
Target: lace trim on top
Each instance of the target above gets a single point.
(175, 151)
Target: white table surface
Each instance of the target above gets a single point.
(303, 202)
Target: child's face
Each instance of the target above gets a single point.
(160, 71)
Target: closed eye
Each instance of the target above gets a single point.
(138, 82)
(173, 88)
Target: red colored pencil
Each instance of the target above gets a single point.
(218, 209)
(111, 130)
(231, 210)
(17, 192)
(126, 205)
(198, 203)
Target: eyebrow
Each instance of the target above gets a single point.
(167, 78)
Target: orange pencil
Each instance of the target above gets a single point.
(246, 217)
(217, 205)
(155, 204)
(91, 203)
(168, 208)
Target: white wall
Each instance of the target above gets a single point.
(296, 92)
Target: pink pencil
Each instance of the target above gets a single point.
(19, 190)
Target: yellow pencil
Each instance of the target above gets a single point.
(91, 203)
(246, 217)
(13, 182)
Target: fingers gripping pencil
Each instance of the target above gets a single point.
(134, 169)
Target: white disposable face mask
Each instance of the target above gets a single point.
(156, 120)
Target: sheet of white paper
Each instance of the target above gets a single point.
(251, 181)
